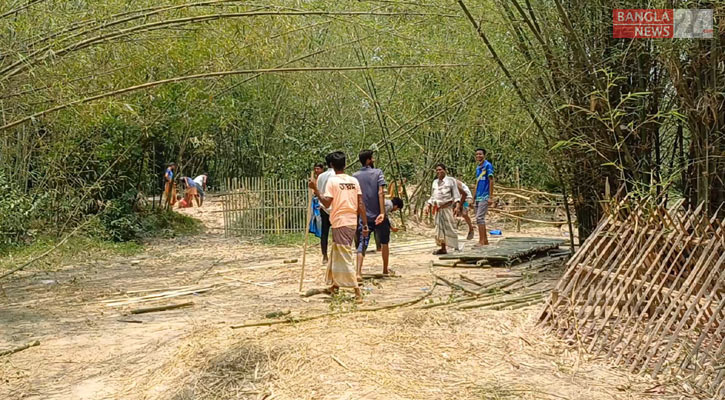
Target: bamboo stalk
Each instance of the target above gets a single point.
(509, 300)
(454, 285)
(45, 53)
(19, 348)
(518, 185)
(318, 316)
(520, 218)
(161, 308)
(307, 232)
(223, 74)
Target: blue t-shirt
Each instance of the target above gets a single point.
(170, 174)
(484, 173)
(370, 180)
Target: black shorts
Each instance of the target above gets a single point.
(382, 234)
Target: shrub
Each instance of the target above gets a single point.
(17, 210)
(123, 222)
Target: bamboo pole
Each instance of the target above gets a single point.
(518, 186)
(161, 308)
(19, 348)
(307, 231)
(225, 211)
(223, 74)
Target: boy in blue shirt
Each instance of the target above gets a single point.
(169, 186)
(484, 194)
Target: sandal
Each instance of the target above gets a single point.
(439, 252)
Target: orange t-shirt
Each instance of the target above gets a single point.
(343, 189)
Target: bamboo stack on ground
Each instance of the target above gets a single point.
(505, 251)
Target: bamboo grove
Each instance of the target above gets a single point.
(97, 97)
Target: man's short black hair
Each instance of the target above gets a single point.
(442, 166)
(328, 159)
(337, 160)
(482, 150)
(397, 201)
(172, 164)
(364, 156)
(319, 165)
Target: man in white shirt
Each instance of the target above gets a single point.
(200, 183)
(325, 211)
(444, 199)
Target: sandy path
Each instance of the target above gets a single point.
(87, 353)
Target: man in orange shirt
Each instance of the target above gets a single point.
(344, 197)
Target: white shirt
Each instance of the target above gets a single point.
(444, 191)
(467, 191)
(200, 180)
(322, 185)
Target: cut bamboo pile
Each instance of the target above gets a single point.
(161, 294)
(647, 289)
(507, 251)
(534, 206)
(524, 285)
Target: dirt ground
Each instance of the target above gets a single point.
(91, 348)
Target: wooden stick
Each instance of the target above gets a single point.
(161, 308)
(379, 276)
(469, 280)
(454, 285)
(130, 321)
(538, 221)
(45, 253)
(337, 360)
(21, 348)
(307, 231)
(508, 301)
(312, 317)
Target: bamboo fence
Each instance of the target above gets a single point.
(647, 289)
(254, 206)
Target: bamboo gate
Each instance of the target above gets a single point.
(647, 289)
(257, 206)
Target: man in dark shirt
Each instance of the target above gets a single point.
(372, 183)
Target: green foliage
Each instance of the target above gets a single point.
(80, 248)
(17, 210)
(121, 222)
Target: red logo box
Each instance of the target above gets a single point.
(643, 23)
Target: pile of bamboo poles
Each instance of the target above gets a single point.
(506, 251)
(647, 289)
(527, 205)
(524, 285)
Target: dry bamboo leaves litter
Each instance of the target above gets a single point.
(510, 298)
